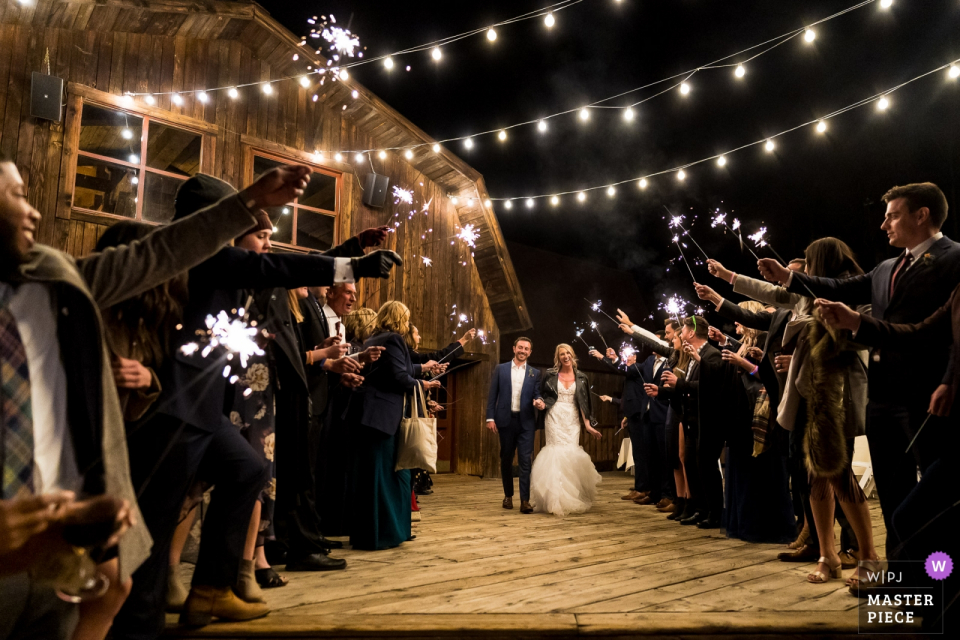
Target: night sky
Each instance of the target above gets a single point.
(812, 186)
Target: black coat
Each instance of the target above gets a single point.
(634, 400)
(550, 393)
(774, 324)
(378, 402)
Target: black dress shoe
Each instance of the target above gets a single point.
(315, 562)
(710, 522)
(328, 544)
(693, 519)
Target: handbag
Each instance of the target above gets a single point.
(417, 437)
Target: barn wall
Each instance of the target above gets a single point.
(288, 121)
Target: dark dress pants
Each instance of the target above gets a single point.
(890, 428)
(516, 440)
(31, 611)
(668, 487)
(638, 446)
(223, 458)
(710, 447)
(691, 447)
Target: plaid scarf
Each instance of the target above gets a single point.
(16, 430)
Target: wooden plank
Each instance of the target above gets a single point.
(113, 100)
(68, 157)
(17, 79)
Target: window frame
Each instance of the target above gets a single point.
(253, 151)
(206, 153)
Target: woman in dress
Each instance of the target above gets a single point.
(563, 479)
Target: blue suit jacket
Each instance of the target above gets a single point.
(501, 391)
(378, 402)
(634, 400)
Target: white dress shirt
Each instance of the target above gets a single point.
(334, 324)
(55, 465)
(517, 373)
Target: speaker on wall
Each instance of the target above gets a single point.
(375, 190)
(46, 97)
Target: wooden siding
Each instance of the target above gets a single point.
(100, 66)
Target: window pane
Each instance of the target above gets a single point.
(321, 193)
(114, 134)
(159, 192)
(282, 218)
(262, 165)
(173, 150)
(315, 230)
(104, 186)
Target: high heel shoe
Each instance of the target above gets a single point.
(819, 577)
(868, 566)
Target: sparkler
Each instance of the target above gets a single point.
(593, 325)
(427, 262)
(626, 351)
(721, 218)
(925, 421)
(580, 337)
(760, 241)
(235, 335)
(677, 221)
(469, 235)
(595, 306)
(402, 195)
(676, 241)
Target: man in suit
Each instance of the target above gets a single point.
(514, 389)
(704, 419)
(903, 289)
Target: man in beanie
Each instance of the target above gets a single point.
(190, 435)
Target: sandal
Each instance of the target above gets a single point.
(871, 566)
(819, 577)
(801, 540)
(269, 579)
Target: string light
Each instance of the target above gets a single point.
(382, 155)
(233, 93)
(304, 81)
(487, 203)
(529, 203)
(886, 4)
(318, 156)
(491, 34)
(436, 53)
(954, 71)
(555, 200)
(642, 183)
(354, 94)
(809, 35)
(177, 99)
(508, 204)
(502, 135)
(769, 146)
(681, 175)
(127, 100)
(821, 127)
(408, 154)
(628, 114)
(338, 157)
(149, 99)
(126, 134)
(882, 104)
(203, 97)
(542, 126)
(344, 75)
(740, 72)
(721, 161)
(388, 62)
(359, 157)
(268, 88)
(611, 191)
(584, 114)
(436, 148)
(684, 88)
(454, 199)
(468, 143)
(582, 197)
(549, 20)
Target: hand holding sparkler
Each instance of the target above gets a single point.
(351, 380)
(596, 354)
(837, 315)
(773, 271)
(611, 354)
(719, 271)
(692, 351)
(652, 390)
(373, 237)
(370, 354)
(276, 187)
(706, 293)
(342, 365)
(605, 398)
(431, 384)
(377, 264)
(717, 336)
(467, 337)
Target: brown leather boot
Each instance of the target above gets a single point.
(525, 507)
(205, 603)
(508, 502)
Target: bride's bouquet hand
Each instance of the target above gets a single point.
(596, 434)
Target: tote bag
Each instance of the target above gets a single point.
(417, 445)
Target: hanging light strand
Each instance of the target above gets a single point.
(764, 141)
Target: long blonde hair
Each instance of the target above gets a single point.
(393, 316)
(556, 356)
(293, 301)
(750, 335)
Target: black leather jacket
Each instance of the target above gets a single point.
(549, 393)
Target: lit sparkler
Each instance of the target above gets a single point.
(677, 221)
(626, 351)
(760, 241)
(721, 219)
(757, 237)
(402, 195)
(427, 262)
(234, 335)
(341, 40)
(580, 337)
(595, 306)
(593, 325)
(469, 235)
(676, 241)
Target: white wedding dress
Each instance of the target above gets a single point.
(563, 479)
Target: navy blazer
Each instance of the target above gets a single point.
(774, 324)
(501, 393)
(378, 402)
(921, 290)
(634, 400)
(193, 389)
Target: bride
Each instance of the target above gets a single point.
(563, 479)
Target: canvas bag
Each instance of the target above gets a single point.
(417, 437)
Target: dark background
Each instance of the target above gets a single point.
(812, 186)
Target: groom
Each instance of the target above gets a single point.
(514, 390)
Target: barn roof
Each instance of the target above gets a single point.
(250, 24)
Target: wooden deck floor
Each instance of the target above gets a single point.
(617, 571)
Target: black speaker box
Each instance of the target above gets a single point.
(375, 190)
(46, 97)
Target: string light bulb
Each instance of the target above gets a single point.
(454, 199)
(468, 143)
(555, 200)
(382, 155)
(954, 71)
(338, 157)
(741, 71)
(549, 20)
(502, 135)
(388, 62)
(584, 114)
(354, 94)
(642, 183)
(491, 34)
(177, 99)
(684, 88)
(127, 134)
(529, 203)
(542, 126)
(882, 104)
(681, 175)
(127, 100)
(268, 88)
(582, 197)
(769, 146)
(508, 204)
(487, 203)
(436, 148)
(809, 35)
(344, 75)
(435, 54)
(821, 126)
(203, 97)
(886, 4)
(721, 161)
(304, 81)
(408, 154)
(628, 114)
(318, 156)
(359, 157)
(150, 100)
(611, 191)
(233, 93)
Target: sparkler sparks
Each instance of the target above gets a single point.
(341, 40)
(402, 195)
(427, 262)
(736, 224)
(757, 237)
(720, 218)
(595, 306)
(235, 335)
(469, 235)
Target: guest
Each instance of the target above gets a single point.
(380, 514)
(359, 326)
(514, 387)
(904, 289)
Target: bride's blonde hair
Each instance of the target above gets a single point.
(556, 356)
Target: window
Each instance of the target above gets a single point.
(310, 222)
(130, 165)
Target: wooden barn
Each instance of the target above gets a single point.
(115, 156)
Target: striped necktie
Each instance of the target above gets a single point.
(16, 431)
